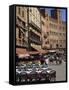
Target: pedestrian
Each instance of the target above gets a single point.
(47, 61)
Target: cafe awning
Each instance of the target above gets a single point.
(52, 51)
(38, 48)
(33, 52)
(22, 52)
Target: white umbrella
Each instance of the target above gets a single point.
(23, 55)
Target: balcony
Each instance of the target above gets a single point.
(31, 23)
(21, 24)
(19, 42)
(37, 41)
(35, 32)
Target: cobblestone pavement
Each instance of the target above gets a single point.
(60, 71)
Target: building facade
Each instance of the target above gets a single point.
(36, 30)
(34, 26)
(45, 29)
(53, 32)
(21, 27)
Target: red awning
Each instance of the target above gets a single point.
(21, 51)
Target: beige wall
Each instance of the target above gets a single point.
(23, 13)
(53, 31)
(45, 32)
(34, 16)
(56, 30)
(21, 21)
(57, 35)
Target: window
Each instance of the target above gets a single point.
(63, 34)
(50, 46)
(47, 42)
(60, 34)
(42, 23)
(23, 24)
(47, 33)
(19, 33)
(22, 13)
(19, 10)
(47, 19)
(30, 10)
(60, 45)
(45, 36)
(56, 45)
(18, 20)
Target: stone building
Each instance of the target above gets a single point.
(53, 32)
(21, 27)
(34, 26)
(37, 30)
